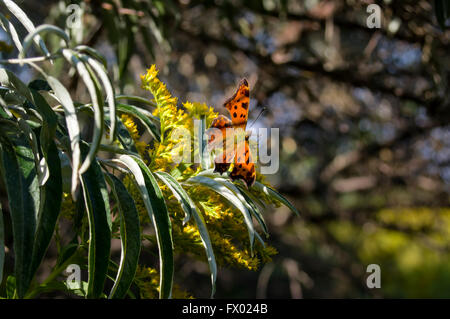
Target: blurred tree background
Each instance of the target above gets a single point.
(363, 116)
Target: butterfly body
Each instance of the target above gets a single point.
(231, 130)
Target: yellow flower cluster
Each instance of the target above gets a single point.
(171, 119)
(151, 83)
(200, 110)
(134, 133)
(147, 279)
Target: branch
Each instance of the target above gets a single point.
(344, 76)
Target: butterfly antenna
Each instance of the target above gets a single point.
(260, 113)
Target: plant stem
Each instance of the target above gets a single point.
(55, 273)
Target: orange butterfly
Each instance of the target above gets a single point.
(244, 167)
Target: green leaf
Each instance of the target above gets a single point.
(275, 195)
(20, 178)
(73, 128)
(35, 34)
(179, 193)
(4, 112)
(91, 82)
(97, 205)
(101, 72)
(144, 118)
(40, 163)
(232, 198)
(191, 210)
(11, 31)
(137, 99)
(79, 290)
(124, 137)
(10, 287)
(48, 215)
(67, 251)
(130, 237)
(51, 286)
(11, 81)
(93, 53)
(254, 209)
(49, 117)
(157, 211)
(39, 85)
(26, 22)
(126, 46)
(49, 123)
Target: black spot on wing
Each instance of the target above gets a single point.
(221, 167)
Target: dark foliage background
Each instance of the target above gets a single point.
(363, 117)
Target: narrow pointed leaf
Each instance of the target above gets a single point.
(157, 211)
(11, 31)
(179, 193)
(91, 84)
(73, 128)
(50, 208)
(275, 195)
(130, 238)
(101, 72)
(255, 210)
(124, 137)
(136, 99)
(247, 202)
(145, 119)
(97, 205)
(20, 178)
(231, 197)
(191, 210)
(26, 22)
(35, 35)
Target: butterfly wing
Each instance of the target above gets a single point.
(238, 105)
(244, 167)
(217, 139)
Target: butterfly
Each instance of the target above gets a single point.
(230, 130)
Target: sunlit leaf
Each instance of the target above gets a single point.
(156, 208)
(101, 72)
(97, 102)
(232, 198)
(275, 195)
(191, 210)
(26, 22)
